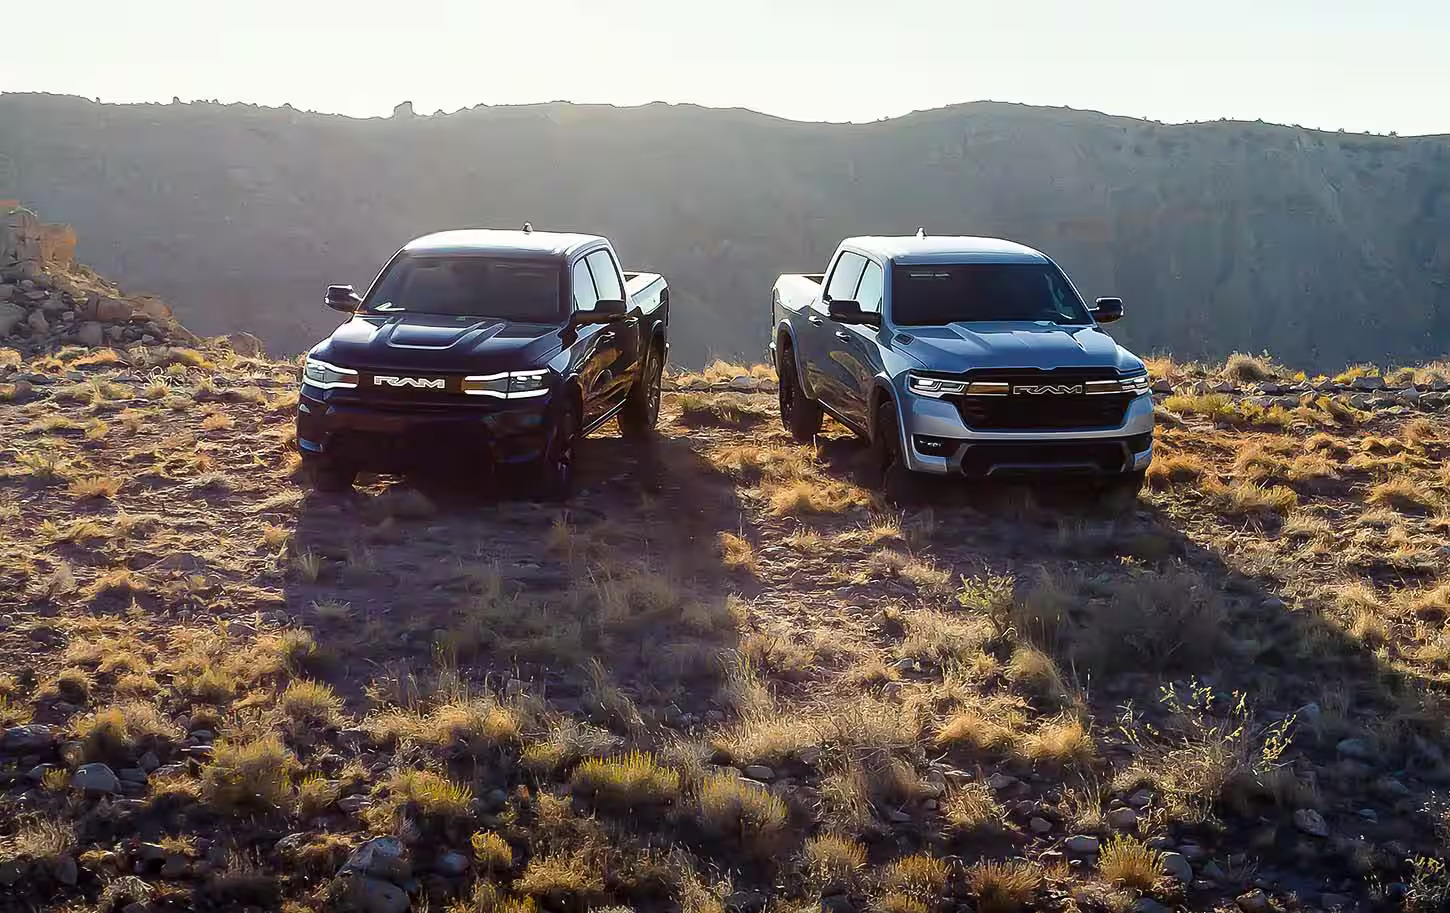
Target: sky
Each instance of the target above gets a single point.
(1326, 64)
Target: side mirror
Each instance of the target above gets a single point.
(843, 311)
(342, 298)
(606, 310)
(1106, 310)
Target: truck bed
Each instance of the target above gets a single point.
(794, 291)
(647, 290)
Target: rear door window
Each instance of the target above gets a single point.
(868, 293)
(606, 276)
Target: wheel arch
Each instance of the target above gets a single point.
(785, 340)
(882, 391)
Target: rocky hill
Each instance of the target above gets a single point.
(48, 300)
(1323, 248)
(725, 678)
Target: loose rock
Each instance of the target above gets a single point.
(1082, 843)
(1311, 822)
(1177, 865)
(96, 778)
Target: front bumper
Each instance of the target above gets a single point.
(395, 435)
(937, 441)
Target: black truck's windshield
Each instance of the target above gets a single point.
(935, 295)
(508, 288)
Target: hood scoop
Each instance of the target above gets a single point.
(419, 334)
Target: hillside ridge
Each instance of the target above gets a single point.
(1323, 248)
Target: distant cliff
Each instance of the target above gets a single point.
(1324, 248)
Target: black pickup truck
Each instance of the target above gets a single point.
(493, 351)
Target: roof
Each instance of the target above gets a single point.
(506, 243)
(947, 249)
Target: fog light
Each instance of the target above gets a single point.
(933, 446)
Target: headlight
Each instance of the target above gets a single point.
(933, 386)
(1136, 385)
(508, 384)
(937, 387)
(329, 377)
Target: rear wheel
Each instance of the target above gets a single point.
(328, 475)
(642, 410)
(555, 473)
(800, 414)
(888, 467)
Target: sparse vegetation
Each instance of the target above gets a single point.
(745, 676)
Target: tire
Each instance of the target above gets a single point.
(889, 472)
(554, 476)
(799, 414)
(642, 409)
(1120, 493)
(327, 475)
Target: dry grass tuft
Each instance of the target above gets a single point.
(123, 732)
(249, 774)
(307, 703)
(917, 875)
(492, 852)
(1004, 886)
(735, 552)
(1248, 368)
(833, 862)
(1130, 863)
(973, 809)
(626, 781)
(728, 807)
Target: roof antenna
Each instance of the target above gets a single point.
(528, 227)
(921, 232)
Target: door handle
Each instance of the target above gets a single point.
(843, 335)
(815, 320)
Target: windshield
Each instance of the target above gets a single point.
(508, 288)
(930, 296)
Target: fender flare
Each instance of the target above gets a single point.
(784, 332)
(882, 389)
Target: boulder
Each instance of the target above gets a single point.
(1255, 901)
(373, 895)
(10, 317)
(380, 857)
(111, 310)
(1123, 819)
(91, 334)
(246, 345)
(25, 739)
(37, 323)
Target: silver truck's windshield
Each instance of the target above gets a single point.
(513, 289)
(936, 295)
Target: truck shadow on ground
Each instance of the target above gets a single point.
(621, 586)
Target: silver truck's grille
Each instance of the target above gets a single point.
(1056, 400)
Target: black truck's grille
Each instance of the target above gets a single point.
(1043, 399)
(1089, 456)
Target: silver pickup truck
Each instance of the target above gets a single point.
(956, 355)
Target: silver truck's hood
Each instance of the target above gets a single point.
(959, 347)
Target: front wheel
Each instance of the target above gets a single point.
(889, 471)
(800, 414)
(642, 410)
(327, 475)
(555, 472)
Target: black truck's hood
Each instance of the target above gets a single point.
(431, 342)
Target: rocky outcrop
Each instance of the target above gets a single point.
(48, 300)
